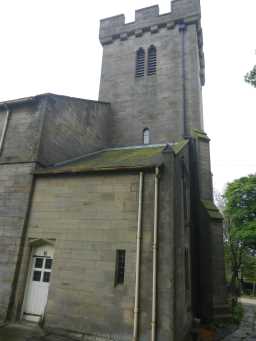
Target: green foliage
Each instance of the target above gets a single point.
(240, 208)
(248, 268)
(237, 313)
(250, 77)
(240, 232)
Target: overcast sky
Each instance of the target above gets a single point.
(52, 46)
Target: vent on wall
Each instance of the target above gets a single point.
(152, 60)
(140, 63)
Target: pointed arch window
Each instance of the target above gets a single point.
(152, 60)
(146, 136)
(140, 63)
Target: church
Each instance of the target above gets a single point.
(107, 222)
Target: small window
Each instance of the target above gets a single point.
(120, 267)
(152, 61)
(186, 269)
(140, 63)
(146, 136)
(185, 190)
(185, 201)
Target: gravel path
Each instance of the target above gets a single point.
(247, 329)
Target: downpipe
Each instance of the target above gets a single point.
(138, 254)
(155, 242)
(182, 29)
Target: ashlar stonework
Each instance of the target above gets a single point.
(107, 222)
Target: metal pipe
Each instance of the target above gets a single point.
(137, 276)
(182, 29)
(155, 240)
(8, 112)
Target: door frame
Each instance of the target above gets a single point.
(33, 244)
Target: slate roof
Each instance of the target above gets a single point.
(127, 158)
(112, 159)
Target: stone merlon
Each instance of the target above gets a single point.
(148, 20)
(186, 10)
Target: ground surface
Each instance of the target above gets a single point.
(31, 332)
(247, 329)
(20, 332)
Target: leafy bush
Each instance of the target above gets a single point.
(237, 312)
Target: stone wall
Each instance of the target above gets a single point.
(23, 132)
(73, 127)
(140, 102)
(209, 229)
(183, 285)
(90, 217)
(15, 189)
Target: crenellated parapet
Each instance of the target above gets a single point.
(148, 20)
(181, 10)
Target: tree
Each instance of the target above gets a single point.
(248, 270)
(240, 209)
(250, 77)
(240, 228)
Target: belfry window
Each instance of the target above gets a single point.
(152, 60)
(140, 63)
(146, 136)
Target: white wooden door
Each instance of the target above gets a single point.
(38, 283)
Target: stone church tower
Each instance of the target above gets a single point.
(167, 101)
(107, 222)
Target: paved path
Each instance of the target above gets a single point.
(247, 329)
(20, 332)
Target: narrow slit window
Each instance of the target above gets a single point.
(185, 201)
(152, 61)
(146, 136)
(120, 267)
(140, 63)
(187, 286)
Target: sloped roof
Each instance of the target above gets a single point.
(126, 158)
(212, 210)
(110, 159)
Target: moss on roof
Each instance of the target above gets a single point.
(123, 158)
(178, 147)
(196, 133)
(212, 210)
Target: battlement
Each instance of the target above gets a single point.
(148, 19)
(146, 13)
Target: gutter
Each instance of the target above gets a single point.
(97, 170)
(17, 101)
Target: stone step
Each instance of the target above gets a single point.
(49, 338)
(223, 317)
(222, 309)
(222, 313)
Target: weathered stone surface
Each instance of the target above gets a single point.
(156, 101)
(88, 216)
(15, 189)
(23, 132)
(73, 127)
